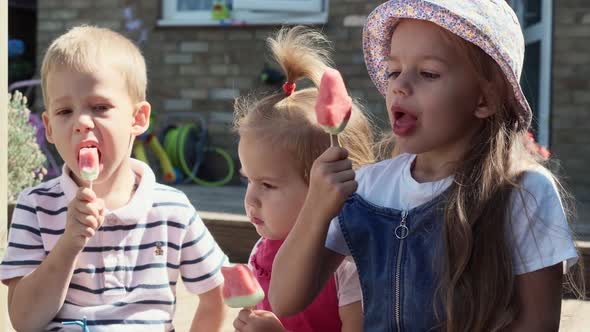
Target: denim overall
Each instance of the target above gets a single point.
(398, 255)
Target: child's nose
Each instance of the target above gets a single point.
(84, 123)
(251, 198)
(401, 85)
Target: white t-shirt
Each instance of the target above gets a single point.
(348, 286)
(544, 241)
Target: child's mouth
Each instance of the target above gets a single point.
(91, 146)
(404, 123)
(256, 221)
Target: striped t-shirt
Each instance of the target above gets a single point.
(127, 273)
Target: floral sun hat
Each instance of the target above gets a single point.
(491, 25)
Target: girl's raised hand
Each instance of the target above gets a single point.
(331, 182)
(257, 320)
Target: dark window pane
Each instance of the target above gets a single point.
(530, 79)
(532, 12)
(189, 5)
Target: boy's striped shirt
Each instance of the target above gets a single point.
(127, 273)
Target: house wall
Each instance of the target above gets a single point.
(570, 112)
(201, 69)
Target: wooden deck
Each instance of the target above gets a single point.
(222, 210)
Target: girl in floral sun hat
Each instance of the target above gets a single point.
(466, 229)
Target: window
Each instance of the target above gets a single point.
(242, 12)
(531, 83)
(305, 6)
(536, 17)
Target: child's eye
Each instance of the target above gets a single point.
(63, 111)
(429, 75)
(101, 108)
(393, 74)
(268, 185)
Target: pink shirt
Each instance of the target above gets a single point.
(321, 315)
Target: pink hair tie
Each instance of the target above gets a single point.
(289, 87)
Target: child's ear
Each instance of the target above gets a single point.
(141, 118)
(483, 109)
(48, 129)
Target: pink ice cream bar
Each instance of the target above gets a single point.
(88, 163)
(334, 105)
(241, 289)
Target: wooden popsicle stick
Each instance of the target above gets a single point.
(334, 140)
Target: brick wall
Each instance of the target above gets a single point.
(201, 69)
(570, 117)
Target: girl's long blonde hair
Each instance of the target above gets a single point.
(478, 286)
(290, 121)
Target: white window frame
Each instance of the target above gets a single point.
(241, 16)
(313, 6)
(541, 32)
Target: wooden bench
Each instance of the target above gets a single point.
(234, 234)
(222, 210)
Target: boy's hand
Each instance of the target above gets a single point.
(331, 182)
(85, 215)
(256, 321)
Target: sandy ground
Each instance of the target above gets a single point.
(575, 316)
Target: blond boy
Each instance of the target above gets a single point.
(110, 252)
